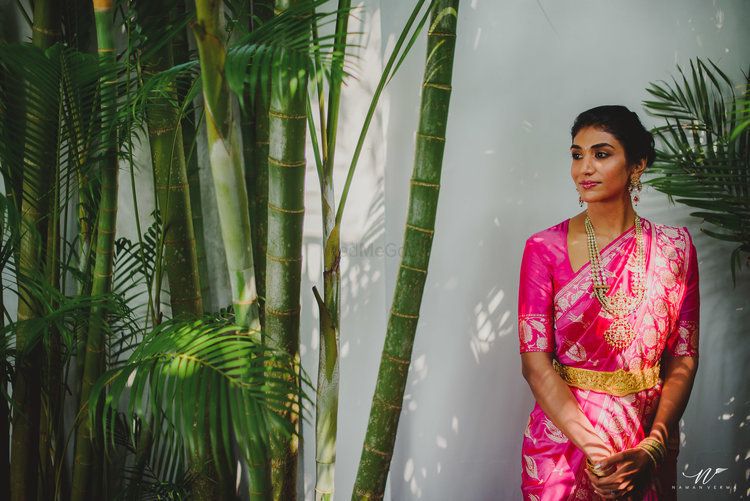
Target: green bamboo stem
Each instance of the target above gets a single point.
(327, 402)
(418, 236)
(88, 467)
(286, 210)
(51, 439)
(170, 174)
(188, 124)
(231, 193)
(35, 203)
(254, 126)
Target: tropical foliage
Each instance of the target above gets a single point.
(704, 159)
(171, 391)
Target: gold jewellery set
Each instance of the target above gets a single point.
(654, 448)
(619, 335)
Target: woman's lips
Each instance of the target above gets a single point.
(588, 184)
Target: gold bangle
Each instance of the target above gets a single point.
(650, 455)
(655, 446)
(597, 471)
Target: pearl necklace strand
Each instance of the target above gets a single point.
(620, 334)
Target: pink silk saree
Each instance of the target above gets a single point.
(559, 313)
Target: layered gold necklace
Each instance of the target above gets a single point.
(620, 333)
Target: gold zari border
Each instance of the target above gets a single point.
(618, 383)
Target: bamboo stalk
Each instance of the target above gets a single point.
(327, 402)
(418, 236)
(88, 467)
(51, 437)
(254, 126)
(35, 202)
(188, 124)
(229, 185)
(170, 174)
(286, 209)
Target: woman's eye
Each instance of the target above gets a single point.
(576, 156)
(603, 155)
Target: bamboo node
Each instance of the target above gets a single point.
(424, 183)
(420, 270)
(418, 228)
(288, 211)
(394, 358)
(387, 404)
(402, 315)
(437, 86)
(299, 163)
(158, 131)
(284, 313)
(376, 451)
(434, 138)
(440, 34)
(279, 114)
(282, 259)
(247, 301)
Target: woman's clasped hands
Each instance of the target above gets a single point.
(626, 474)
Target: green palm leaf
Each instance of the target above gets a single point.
(703, 158)
(280, 42)
(181, 367)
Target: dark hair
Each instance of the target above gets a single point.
(624, 125)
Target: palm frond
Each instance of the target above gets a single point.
(282, 42)
(702, 157)
(183, 367)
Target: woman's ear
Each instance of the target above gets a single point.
(639, 167)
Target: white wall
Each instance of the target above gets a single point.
(523, 71)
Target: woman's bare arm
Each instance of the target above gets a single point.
(558, 403)
(679, 375)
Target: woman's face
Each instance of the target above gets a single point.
(599, 167)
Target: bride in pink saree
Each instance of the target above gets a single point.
(559, 313)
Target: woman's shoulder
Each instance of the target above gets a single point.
(679, 235)
(550, 239)
(549, 234)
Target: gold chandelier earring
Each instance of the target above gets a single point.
(635, 185)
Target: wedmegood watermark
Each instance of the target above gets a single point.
(363, 250)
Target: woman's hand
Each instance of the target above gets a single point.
(633, 466)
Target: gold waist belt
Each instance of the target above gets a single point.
(618, 383)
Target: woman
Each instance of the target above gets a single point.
(608, 315)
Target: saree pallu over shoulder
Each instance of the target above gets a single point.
(580, 319)
(620, 388)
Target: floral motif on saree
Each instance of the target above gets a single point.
(558, 313)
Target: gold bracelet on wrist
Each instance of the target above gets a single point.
(655, 446)
(597, 471)
(650, 455)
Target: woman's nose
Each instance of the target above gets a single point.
(588, 163)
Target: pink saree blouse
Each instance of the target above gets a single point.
(559, 313)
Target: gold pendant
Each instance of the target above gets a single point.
(619, 334)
